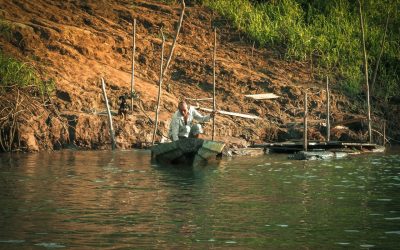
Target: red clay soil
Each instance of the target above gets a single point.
(78, 42)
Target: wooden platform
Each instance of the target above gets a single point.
(296, 146)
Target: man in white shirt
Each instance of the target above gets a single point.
(181, 123)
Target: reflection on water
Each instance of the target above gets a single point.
(91, 200)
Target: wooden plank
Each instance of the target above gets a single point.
(247, 116)
(264, 96)
(316, 144)
(199, 99)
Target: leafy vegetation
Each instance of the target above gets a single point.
(5, 29)
(327, 33)
(14, 73)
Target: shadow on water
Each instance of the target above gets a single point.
(184, 175)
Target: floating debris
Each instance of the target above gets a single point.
(317, 155)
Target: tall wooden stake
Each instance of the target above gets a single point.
(328, 111)
(133, 62)
(214, 104)
(176, 38)
(110, 122)
(159, 88)
(366, 74)
(305, 142)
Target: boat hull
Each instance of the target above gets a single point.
(189, 151)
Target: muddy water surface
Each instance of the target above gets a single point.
(120, 200)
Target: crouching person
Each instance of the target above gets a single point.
(181, 123)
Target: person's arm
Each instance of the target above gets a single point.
(174, 129)
(201, 118)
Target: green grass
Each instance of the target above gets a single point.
(5, 29)
(328, 31)
(16, 74)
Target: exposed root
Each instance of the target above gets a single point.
(19, 108)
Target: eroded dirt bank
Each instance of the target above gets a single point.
(77, 42)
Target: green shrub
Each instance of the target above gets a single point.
(5, 29)
(14, 73)
(328, 31)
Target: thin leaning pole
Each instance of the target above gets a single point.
(110, 122)
(214, 103)
(159, 88)
(366, 74)
(328, 111)
(305, 139)
(171, 52)
(133, 62)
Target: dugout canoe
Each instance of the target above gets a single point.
(189, 151)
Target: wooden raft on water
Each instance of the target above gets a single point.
(189, 151)
(297, 146)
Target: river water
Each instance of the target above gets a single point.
(120, 200)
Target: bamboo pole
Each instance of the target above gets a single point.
(110, 122)
(133, 62)
(159, 88)
(214, 104)
(199, 99)
(175, 38)
(328, 111)
(381, 52)
(305, 139)
(366, 74)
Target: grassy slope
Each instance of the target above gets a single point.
(327, 32)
